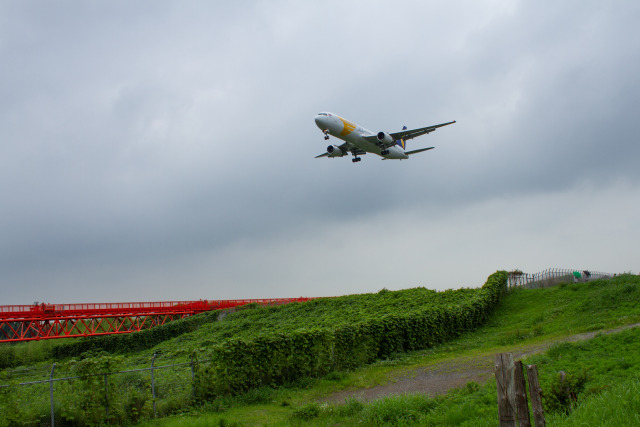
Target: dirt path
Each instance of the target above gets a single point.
(453, 373)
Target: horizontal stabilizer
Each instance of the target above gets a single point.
(408, 153)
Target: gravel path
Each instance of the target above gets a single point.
(453, 373)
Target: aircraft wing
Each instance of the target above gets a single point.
(410, 134)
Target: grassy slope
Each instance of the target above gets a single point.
(523, 319)
(250, 321)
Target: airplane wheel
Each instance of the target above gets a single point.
(326, 137)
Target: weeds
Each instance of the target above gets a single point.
(308, 412)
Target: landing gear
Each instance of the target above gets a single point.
(355, 159)
(326, 134)
(384, 152)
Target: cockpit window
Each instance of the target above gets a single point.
(322, 114)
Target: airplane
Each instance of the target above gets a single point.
(359, 141)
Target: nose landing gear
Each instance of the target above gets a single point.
(326, 134)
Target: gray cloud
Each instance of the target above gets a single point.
(151, 151)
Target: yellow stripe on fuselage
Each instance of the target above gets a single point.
(348, 127)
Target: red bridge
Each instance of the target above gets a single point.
(47, 321)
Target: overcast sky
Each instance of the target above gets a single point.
(158, 150)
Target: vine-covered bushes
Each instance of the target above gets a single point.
(253, 347)
(240, 364)
(133, 342)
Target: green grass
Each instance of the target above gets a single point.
(609, 397)
(535, 315)
(617, 406)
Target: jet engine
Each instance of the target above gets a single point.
(385, 139)
(335, 151)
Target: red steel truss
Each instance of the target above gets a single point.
(48, 321)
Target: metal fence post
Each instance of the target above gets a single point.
(106, 395)
(153, 385)
(193, 379)
(53, 420)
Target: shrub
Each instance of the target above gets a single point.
(564, 391)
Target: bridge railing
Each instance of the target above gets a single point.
(38, 310)
(50, 321)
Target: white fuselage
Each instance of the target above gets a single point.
(350, 132)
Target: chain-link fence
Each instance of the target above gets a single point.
(123, 396)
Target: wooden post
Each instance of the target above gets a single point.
(521, 396)
(536, 396)
(504, 371)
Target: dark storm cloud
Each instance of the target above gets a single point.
(147, 145)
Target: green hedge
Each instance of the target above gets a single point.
(242, 364)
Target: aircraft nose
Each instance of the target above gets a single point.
(319, 121)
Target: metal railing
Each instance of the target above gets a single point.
(553, 276)
(41, 310)
(51, 321)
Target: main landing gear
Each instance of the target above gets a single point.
(384, 152)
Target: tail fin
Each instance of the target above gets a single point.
(401, 141)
